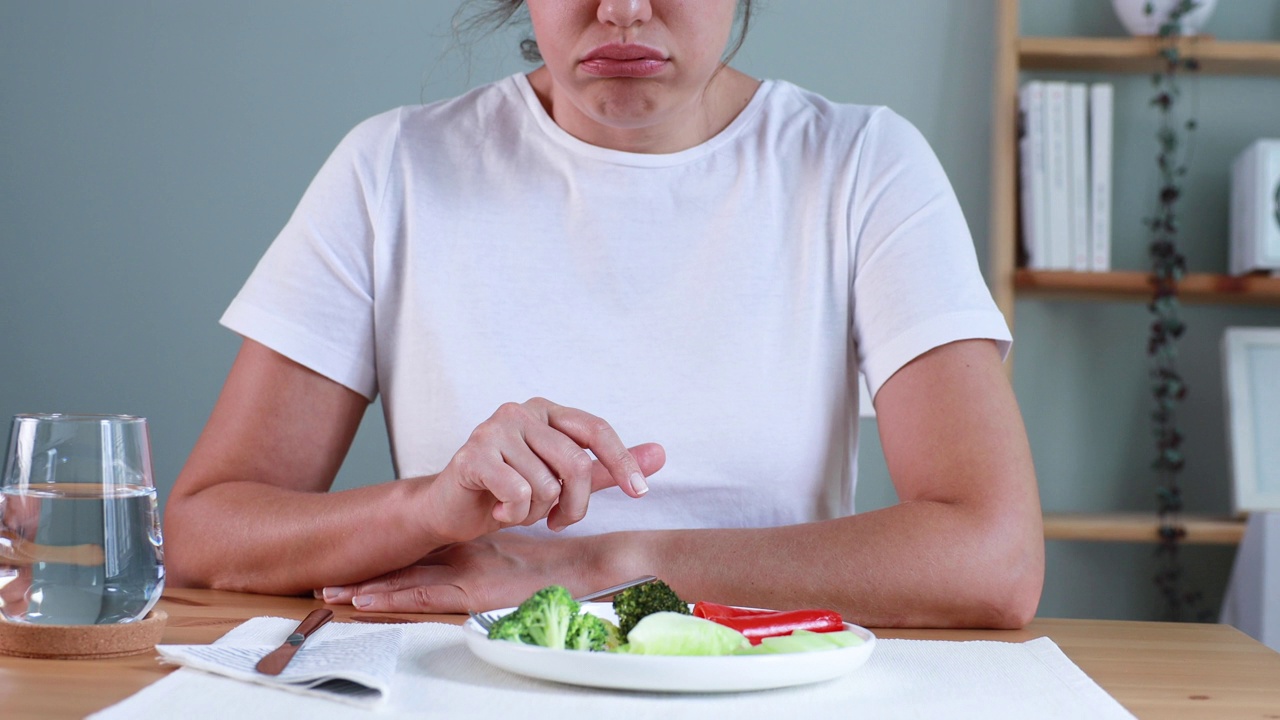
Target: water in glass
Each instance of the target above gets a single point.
(79, 528)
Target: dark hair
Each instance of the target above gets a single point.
(494, 14)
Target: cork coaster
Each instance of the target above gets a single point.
(82, 642)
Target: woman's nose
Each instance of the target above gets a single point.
(624, 13)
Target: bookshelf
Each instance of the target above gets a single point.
(1015, 54)
(1139, 528)
(1138, 55)
(1136, 286)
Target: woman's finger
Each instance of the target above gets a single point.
(572, 467)
(513, 493)
(596, 435)
(544, 482)
(483, 470)
(420, 598)
(570, 510)
(402, 579)
(651, 457)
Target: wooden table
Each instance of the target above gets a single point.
(1156, 670)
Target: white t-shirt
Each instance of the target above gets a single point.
(719, 300)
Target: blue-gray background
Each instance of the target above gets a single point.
(151, 149)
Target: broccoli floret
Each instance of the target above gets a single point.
(589, 632)
(613, 639)
(509, 627)
(543, 619)
(633, 604)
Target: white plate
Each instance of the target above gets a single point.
(723, 673)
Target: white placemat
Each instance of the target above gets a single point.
(438, 677)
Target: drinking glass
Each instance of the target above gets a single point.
(80, 536)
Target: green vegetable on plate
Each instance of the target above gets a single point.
(669, 633)
(543, 619)
(652, 620)
(803, 641)
(634, 604)
(590, 632)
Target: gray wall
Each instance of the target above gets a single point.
(150, 150)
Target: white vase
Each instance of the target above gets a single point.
(1133, 15)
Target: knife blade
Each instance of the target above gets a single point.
(275, 661)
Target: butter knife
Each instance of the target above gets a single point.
(277, 659)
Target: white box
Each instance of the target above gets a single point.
(1252, 601)
(1251, 364)
(1255, 208)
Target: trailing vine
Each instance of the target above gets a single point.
(1168, 266)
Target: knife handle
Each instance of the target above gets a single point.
(310, 624)
(274, 662)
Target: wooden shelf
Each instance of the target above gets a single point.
(1140, 528)
(1136, 286)
(1116, 55)
(1140, 55)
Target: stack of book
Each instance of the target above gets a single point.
(1065, 132)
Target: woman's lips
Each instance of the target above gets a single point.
(624, 60)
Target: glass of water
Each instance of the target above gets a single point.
(80, 536)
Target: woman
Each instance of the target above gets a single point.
(671, 251)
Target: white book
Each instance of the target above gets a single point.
(1057, 176)
(1031, 148)
(1240, 257)
(1078, 173)
(1101, 122)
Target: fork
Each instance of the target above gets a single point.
(486, 619)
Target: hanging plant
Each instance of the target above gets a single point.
(1168, 267)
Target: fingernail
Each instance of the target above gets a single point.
(362, 601)
(638, 484)
(331, 594)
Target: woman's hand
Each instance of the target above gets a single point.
(499, 570)
(259, 481)
(527, 462)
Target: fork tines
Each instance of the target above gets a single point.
(484, 620)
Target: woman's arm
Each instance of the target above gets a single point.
(964, 547)
(251, 509)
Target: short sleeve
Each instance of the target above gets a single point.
(916, 280)
(310, 298)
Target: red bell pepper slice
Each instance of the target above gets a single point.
(711, 611)
(757, 625)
